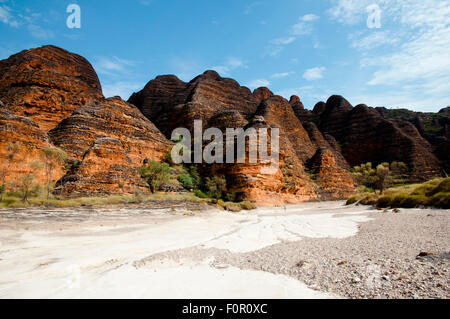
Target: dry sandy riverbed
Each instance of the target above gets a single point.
(313, 250)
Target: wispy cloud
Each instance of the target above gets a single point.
(351, 12)
(282, 75)
(231, 64)
(121, 88)
(249, 8)
(302, 28)
(7, 18)
(314, 73)
(413, 65)
(370, 40)
(112, 65)
(258, 83)
(283, 41)
(305, 25)
(39, 32)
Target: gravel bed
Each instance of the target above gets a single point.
(396, 255)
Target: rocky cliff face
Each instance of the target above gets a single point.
(365, 136)
(47, 84)
(109, 139)
(334, 182)
(223, 103)
(20, 129)
(170, 103)
(53, 98)
(299, 110)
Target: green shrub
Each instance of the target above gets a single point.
(398, 200)
(427, 188)
(384, 201)
(412, 201)
(155, 174)
(441, 200)
(200, 194)
(9, 201)
(186, 181)
(215, 187)
(195, 176)
(231, 197)
(369, 199)
(352, 200)
(443, 187)
(246, 205)
(233, 207)
(221, 203)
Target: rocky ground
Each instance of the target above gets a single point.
(314, 250)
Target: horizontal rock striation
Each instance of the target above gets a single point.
(31, 141)
(365, 136)
(170, 103)
(47, 84)
(334, 182)
(109, 140)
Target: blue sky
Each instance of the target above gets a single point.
(311, 48)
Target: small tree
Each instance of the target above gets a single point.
(215, 187)
(26, 182)
(52, 157)
(155, 174)
(382, 174)
(12, 149)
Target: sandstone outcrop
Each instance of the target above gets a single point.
(171, 103)
(321, 141)
(31, 141)
(299, 110)
(319, 108)
(47, 84)
(334, 182)
(108, 140)
(365, 136)
(261, 94)
(223, 103)
(53, 98)
(277, 111)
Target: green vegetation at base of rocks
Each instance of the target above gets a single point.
(14, 200)
(434, 193)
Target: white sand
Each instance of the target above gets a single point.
(97, 262)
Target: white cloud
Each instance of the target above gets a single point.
(274, 50)
(39, 32)
(112, 65)
(372, 40)
(282, 75)
(121, 88)
(283, 41)
(314, 73)
(7, 18)
(413, 68)
(351, 12)
(231, 64)
(258, 83)
(249, 8)
(309, 17)
(304, 27)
